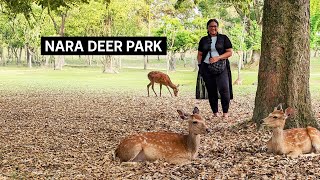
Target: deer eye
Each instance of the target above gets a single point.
(195, 122)
(275, 117)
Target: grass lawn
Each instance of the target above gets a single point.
(129, 79)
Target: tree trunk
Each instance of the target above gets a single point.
(255, 57)
(29, 57)
(145, 62)
(245, 57)
(172, 62)
(195, 63)
(46, 61)
(1, 55)
(89, 59)
(15, 53)
(107, 62)
(182, 57)
(238, 81)
(20, 55)
(315, 52)
(284, 66)
(60, 58)
(58, 62)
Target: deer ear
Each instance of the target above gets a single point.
(289, 111)
(280, 107)
(178, 85)
(183, 115)
(196, 110)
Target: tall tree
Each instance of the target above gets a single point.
(61, 8)
(285, 60)
(250, 11)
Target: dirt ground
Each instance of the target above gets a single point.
(59, 135)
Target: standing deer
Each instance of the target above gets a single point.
(292, 142)
(172, 147)
(162, 79)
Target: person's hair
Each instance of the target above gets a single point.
(210, 20)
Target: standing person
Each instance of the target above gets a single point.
(213, 48)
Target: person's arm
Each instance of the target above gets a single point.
(199, 57)
(225, 55)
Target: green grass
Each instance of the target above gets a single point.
(82, 79)
(129, 79)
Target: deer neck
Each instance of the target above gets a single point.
(172, 85)
(278, 139)
(193, 143)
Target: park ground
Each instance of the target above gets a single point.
(66, 125)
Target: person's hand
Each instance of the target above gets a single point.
(214, 59)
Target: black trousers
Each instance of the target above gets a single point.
(215, 83)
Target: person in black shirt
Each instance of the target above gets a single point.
(213, 48)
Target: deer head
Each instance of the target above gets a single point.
(197, 124)
(176, 90)
(278, 118)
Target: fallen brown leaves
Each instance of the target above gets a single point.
(73, 135)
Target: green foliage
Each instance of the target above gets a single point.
(210, 8)
(315, 24)
(126, 21)
(253, 41)
(18, 6)
(237, 41)
(315, 31)
(56, 4)
(13, 31)
(79, 26)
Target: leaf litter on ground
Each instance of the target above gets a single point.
(73, 135)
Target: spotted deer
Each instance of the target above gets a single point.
(292, 142)
(162, 79)
(172, 147)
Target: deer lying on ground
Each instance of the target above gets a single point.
(172, 147)
(292, 142)
(162, 79)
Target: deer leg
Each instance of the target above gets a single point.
(294, 154)
(160, 89)
(180, 161)
(315, 138)
(140, 157)
(129, 153)
(316, 145)
(148, 88)
(310, 155)
(269, 147)
(169, 91)
(153, 89)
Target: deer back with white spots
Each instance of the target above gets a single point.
(171, 147)
(292, 142)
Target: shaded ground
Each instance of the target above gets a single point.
(73, 136)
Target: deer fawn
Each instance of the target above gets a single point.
(172, 147)
(162, 79)
(292, 142)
